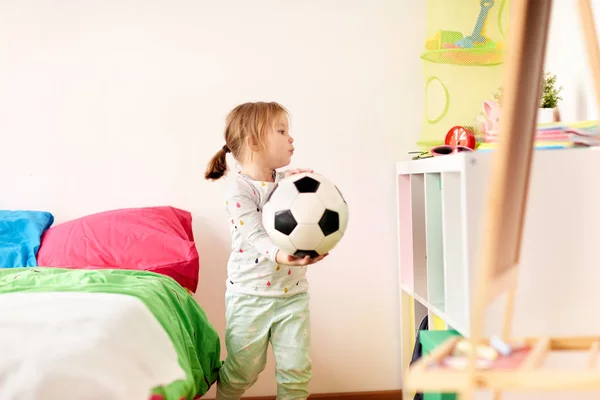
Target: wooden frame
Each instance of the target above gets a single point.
(507, 201)
(527, 376)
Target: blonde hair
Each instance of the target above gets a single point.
(246, 120)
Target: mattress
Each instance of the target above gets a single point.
(102, 334)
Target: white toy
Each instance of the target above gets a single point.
(305, 215)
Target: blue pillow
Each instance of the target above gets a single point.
(20, 235)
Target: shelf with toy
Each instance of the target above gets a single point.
(559, 177)
(431, 235)
(547, 136)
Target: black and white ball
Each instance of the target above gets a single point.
(306, 214)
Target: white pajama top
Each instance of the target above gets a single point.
(251, 268)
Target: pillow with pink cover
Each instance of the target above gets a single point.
(157, 239)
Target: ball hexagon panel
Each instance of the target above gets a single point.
(328, 243)
(307, 184)
(333, 200)
(306, 236)
(283, 242)
(330, 195)
(282, 195)
(285, 222)
(329, 222)
(307, 208)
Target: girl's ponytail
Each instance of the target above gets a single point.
(217, 167)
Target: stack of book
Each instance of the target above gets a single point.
(559, 135)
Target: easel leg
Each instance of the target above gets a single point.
(465, 396)
(510, 177)
(512, 164)
(507, 326)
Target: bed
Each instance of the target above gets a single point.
(102, 307)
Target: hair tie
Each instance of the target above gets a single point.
(226, 149)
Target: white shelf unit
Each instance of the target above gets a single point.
(441, 209)
(433, 221)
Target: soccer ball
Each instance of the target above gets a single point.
(306, 214)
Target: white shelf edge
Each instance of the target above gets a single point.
(450, 163)
(457, 162)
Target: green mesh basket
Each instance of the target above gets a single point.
(463, 63)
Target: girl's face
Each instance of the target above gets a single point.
(279, 146)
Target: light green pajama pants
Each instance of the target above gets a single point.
(253, 322)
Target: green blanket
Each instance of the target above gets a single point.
(195, 339)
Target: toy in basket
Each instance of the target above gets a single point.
(306, 215)
(474, 49)
(463, 62)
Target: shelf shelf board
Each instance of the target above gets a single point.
(449, 163)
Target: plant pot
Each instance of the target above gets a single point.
(545, 115)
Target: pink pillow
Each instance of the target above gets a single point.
(157, 239)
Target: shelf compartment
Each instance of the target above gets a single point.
(419, 240)
(405, 233)
(418, 311)
(432, 310)
(434, 238)
(436, 322)
(455, 269)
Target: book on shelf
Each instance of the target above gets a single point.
(556, 135)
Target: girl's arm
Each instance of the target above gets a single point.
(242, 205)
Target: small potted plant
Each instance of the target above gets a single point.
(550, 98)
(548, 101)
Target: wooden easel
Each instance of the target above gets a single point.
(502, 241)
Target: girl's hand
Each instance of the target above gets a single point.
(287, 259)
(297, 171)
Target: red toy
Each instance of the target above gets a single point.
(460, 136)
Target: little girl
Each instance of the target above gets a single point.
(267, 290)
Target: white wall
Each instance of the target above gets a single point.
(118, 103)
(566, 56)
